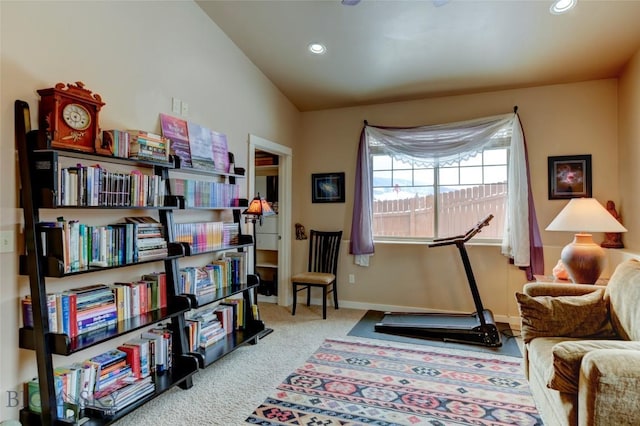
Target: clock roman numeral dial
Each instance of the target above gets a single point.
(76, 116)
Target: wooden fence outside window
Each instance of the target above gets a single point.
(458, 211)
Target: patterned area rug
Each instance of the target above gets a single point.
(360, 383)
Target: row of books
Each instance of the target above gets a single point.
(205, 194)
(117, 142)
(229, 270)
(201, 237)
(90, 308)
(148, 146)
(111, 380)
(210, 325)
(79, 245)
(95, 186)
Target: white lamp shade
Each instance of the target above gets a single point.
(585, 215)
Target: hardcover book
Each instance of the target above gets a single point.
(200, 144)
(176, 130)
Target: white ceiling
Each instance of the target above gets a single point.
(382, 51)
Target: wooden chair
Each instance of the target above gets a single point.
(322, 269)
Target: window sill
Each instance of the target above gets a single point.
(477, 242)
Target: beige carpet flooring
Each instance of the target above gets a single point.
(228, 391)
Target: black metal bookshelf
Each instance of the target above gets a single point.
(37, 164)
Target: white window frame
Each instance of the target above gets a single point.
(500, 144)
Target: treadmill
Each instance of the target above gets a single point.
(477, 328)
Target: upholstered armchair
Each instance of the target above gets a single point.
(582, 349)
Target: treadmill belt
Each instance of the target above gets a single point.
(435, 321)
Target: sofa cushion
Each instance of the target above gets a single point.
(567, 358)
(540, 354)
(568, 316)
(624, 286)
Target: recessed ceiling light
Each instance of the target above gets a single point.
(317, 48)
(561, 6)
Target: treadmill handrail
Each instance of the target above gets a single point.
(462, 238)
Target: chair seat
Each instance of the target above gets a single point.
(321, 278)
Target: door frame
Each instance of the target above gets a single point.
(284, 206)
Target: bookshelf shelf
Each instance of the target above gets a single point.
(52, 253)
(62, 344)
(189, 170)
(106, 158)
(54, 267)
(189, 251)
(186, 366)
(230, 343)
(178, 202)
(222, 293)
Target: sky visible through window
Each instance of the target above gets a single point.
(395, 179)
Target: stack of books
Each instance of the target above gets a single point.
(149, 238)
(204, 329)
(198, 281)
(95, 307)
(230, 233)
(113, 372)
(148, 146)
(76, 311)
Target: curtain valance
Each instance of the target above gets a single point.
(441, 144)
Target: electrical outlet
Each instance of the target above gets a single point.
(185, 109)
(352, 279)
(6, 241)
(176, 106)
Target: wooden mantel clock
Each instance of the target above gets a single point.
(69, 113)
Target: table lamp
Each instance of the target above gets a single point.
(583, 259)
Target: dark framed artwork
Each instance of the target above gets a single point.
(569, 177)
(327, 187)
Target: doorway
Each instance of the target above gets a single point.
(282, 239)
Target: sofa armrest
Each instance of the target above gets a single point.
(609, 388)
(558, 289)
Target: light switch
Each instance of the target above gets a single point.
(176, 106)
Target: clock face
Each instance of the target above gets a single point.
(76, 116)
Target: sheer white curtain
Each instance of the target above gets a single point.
(439, 145)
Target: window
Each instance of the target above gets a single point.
(455, 155)
(466, 190)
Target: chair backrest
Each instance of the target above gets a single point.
(323, 251)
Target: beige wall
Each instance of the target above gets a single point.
(629, 146)
(558, 120)
(137, 56)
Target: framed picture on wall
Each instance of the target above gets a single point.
(327, 187)
(569, 177)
